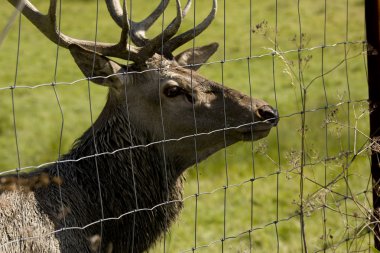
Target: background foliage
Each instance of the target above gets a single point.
(314, 165)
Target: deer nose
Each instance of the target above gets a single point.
(268, 114)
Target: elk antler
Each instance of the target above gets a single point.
(144, 48)
(47, 25)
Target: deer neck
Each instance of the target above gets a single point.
(128, 179)
(124, 163)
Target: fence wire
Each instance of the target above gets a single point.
(304, 188)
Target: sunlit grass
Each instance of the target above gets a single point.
(269, 205)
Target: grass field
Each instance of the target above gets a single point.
(314, 165)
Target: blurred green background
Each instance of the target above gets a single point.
(326, 144)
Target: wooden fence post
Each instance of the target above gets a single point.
(373, 58)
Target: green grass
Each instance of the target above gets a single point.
(266, 204)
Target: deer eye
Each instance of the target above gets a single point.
(189, 98)
(173, 91)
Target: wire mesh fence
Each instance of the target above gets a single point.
(306, 187)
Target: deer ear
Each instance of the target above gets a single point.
(96, 65)
(193, 58)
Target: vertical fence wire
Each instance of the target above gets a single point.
(133, 167)
(195, 131)
(12, 89)
(163, 129)
(131, 141)
(253, 175)
(95, 144)
(348, 128)
(278, 172)
(324, 215)
(59, 104)
(222, 65)
(303, 93)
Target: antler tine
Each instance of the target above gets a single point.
(149, 21)
(124, 28)
(181, 39)
(116, 12)
(139, 28)
(156, 43)
(186, 8)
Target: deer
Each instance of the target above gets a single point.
(120, 187)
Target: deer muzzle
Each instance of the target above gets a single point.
(268, 114)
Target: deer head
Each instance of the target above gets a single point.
(158, 92)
